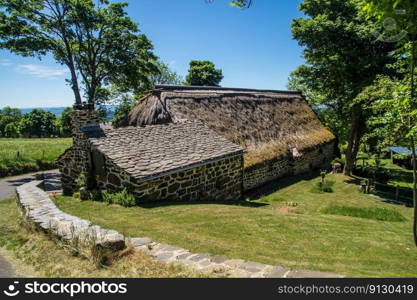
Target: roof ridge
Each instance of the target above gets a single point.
(161, 88)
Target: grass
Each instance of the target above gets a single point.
(285, 227)
(48, 258)
(18, 156)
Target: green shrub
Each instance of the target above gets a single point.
(375, 213)
(123, 198)
(96, 195)
(81, 181)
(325, 187)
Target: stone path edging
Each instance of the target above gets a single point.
(38, 208)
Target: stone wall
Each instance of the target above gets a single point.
(297, 163)
(39, 210)
(218, 180)
(77, 159)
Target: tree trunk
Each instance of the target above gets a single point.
(413, 149)
(74, 83)
(355, 136)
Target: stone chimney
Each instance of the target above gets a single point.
(77, 160)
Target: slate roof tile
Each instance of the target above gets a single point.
(157, 149)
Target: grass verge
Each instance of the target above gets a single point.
(48, 258)
(374, 213)
(285, 227)
(19, 156)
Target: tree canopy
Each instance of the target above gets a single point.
(96, 40)
(203, 73)
(342, 58)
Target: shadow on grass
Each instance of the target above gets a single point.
(275, 185)
(29, 177)
(188, 203)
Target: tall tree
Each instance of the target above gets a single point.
(203, 73)
(342, 58)
(404, 15)
(165, 75)
(96, 40)
(38, 123)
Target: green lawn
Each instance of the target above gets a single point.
(293, 226)
(19, 156)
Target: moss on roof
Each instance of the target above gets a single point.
(267, 124)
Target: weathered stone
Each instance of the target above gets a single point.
(277, 272)
(219, 259)
(114, 180)
(199, 257)
(173, 188)
(310, 274)
(140, 241)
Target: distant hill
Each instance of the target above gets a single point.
(57, 111)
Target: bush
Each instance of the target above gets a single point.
(81, 181)
(325, 187)
(123, 198)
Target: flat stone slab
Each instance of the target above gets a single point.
(39, 209)
(199, 257)
(136, 242)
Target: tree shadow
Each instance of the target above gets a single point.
(28, 178)
(275, 185)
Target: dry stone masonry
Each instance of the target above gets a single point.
(38, 209)
(176, 162)
(289, 165)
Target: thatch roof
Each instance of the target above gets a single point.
(266, 123)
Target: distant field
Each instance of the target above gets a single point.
(18, 156)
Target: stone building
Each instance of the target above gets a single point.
(198, 143)
(280, 133)
(163, 162)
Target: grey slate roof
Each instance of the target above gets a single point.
(152, 151)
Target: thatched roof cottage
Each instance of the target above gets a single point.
(279, 131)
(193, 143)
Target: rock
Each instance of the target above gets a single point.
(140, 241)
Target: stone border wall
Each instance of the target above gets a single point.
(290, 165)
(39, 209)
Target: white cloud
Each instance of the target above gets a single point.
(5, 62)
(41, 71)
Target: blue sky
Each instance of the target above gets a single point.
(253, 47)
